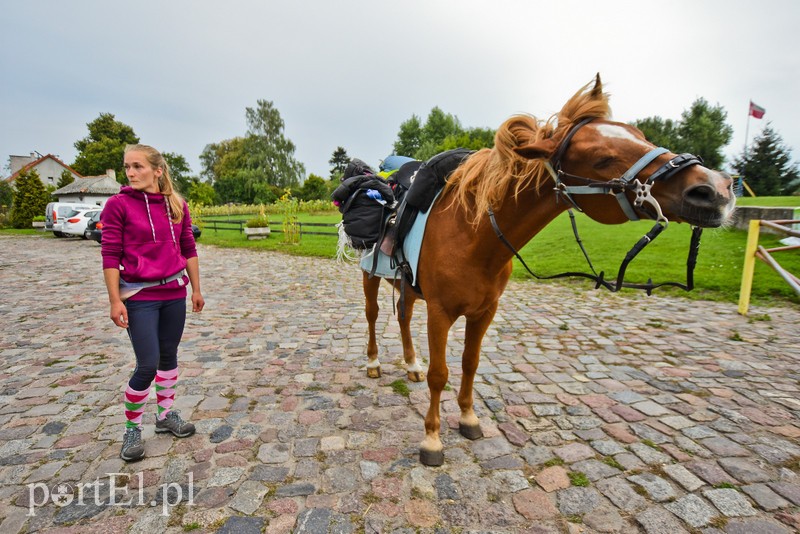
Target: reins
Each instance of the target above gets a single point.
(618, 187)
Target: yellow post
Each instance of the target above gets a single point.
(752, 194)
(749, 265)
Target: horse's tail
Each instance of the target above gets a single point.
(344, 248)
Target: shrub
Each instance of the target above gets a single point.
(259, 221)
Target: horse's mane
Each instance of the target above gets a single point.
(484, 179)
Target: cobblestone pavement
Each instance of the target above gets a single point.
(601, 412)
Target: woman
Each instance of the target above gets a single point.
(148, 249)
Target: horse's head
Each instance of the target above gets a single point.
(610, 171)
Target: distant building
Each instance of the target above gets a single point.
(49, 168)
(90, 190)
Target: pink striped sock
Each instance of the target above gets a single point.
(165, 390)
(134, 406)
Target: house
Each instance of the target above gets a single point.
(49, 168)
(90, 190)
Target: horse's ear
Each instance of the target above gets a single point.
(539, 150)
(597, 91)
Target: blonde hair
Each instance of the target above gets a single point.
(165, 186)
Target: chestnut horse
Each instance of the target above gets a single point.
(464, 265)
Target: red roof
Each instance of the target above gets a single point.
(38, 161)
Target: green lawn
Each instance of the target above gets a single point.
(717, 275)
(719, 264)
(781, 202)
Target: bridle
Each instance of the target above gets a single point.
(625, 183)
(644, 202)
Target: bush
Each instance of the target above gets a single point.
(259, 221)
(30, 199)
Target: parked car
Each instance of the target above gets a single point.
(94, 229)
(55, 212)
(75, 222)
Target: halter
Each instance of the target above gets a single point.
(619, 187)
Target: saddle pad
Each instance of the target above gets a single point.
(411, 248)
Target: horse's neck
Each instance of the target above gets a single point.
(521, 219)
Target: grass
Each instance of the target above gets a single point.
(717, 275)
(400, 387)
(554, 250)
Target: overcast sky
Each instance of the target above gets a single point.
(349, 72)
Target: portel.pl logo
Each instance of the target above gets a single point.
(107, 492)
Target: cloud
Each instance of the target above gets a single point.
(347, 73)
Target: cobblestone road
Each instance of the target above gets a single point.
(601, 412)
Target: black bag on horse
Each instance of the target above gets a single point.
(364, 201)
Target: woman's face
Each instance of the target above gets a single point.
(141, 175)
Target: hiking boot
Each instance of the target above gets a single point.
(132, 446)
(173, 423)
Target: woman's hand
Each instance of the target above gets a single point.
(119, 314)
(198, 302)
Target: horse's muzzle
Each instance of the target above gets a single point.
(704, 205)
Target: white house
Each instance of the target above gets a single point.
(90, 190)
(49, 168)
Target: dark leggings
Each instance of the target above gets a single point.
(155, 328)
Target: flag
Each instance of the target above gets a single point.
(756, 111)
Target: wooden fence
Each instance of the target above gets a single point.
(276, 227)
(754, 250)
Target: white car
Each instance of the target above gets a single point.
(75, 222)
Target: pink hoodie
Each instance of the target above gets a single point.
(140, 241)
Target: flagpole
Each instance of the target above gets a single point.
(747, 129)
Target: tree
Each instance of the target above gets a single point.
(201, 193)
(104, 147)
(409, 138)
(248, 169)
(314, 188)
(30, 199)
(66, 179)
(701, 131)
(6, 195)
(767, 166)
(660, 132)
(441, 131)
(269, 152)
(338, 162)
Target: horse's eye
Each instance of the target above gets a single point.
(602, 163)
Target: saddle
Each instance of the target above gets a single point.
(378, 214)
(424, 181)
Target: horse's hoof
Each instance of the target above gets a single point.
(373, 372)
(431, 458)
(469, 431)
(416, 376)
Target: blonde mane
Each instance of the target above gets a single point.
(486, 177)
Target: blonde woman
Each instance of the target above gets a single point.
(149, 256)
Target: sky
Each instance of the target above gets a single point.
(348, 72)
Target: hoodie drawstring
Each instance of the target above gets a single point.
(169, 219)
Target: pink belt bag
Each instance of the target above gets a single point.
(129, 289)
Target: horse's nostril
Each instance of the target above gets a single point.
(701, 195)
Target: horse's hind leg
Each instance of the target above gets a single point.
(468, 424)
(371, 286)
(413, 369)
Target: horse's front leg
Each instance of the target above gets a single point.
(413, 369)
(468, 424)
(430, 452)
(371, 309)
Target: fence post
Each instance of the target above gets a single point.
(749, 265)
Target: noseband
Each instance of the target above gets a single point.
(619, 187)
